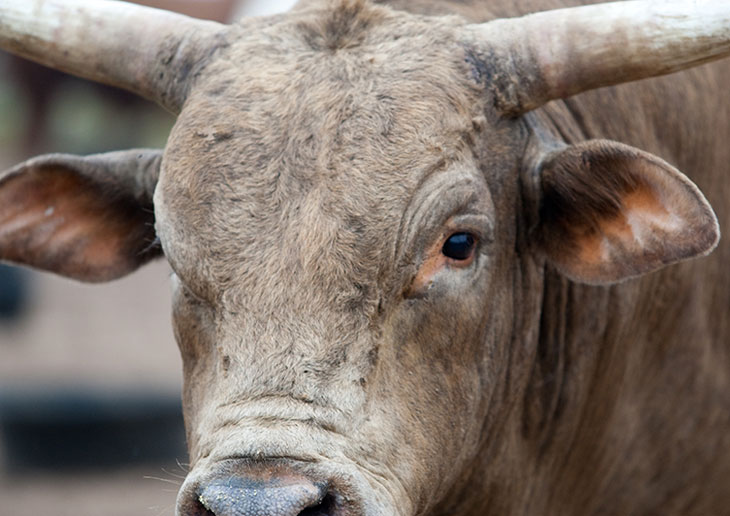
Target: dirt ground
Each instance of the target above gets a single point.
(116, 335)
(115, 338)
(140, 491)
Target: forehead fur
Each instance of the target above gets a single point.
(345, 24)
(302, 142)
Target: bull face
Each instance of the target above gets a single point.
(342, 313)
(358, 219)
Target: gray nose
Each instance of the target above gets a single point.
(289, 494)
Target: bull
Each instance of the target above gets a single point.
(413, 274)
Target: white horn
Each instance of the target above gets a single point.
(556, 54)
(147, 51)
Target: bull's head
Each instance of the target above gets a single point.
(359, 205)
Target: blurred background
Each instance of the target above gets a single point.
(90, 376)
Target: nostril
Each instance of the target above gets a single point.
(195, 508)
(198, 509)
(325, 508)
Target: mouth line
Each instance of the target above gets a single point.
(255, 449)
(266, 458)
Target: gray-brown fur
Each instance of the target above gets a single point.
(317, 158)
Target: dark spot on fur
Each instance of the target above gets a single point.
(357, 227)
(481, 72)
(346, 27)
(215, 135)
(184, 70)
(220, 89)
(373, 355)
(222, 136)
(356, 303)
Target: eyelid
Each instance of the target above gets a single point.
(481, 226)
(432, 260)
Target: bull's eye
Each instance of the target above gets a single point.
(459, 246)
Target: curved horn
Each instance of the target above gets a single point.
(556, 54)
(147, 51)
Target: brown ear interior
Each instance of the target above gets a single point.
(55, 218)
(610, 212)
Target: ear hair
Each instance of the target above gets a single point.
(609, 212)
(89, 218)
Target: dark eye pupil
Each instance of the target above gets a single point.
(459, 246)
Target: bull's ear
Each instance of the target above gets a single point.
(609, 212)
(88, 218)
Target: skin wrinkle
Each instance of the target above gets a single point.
(426, 204)
(319, 155)
(311, 411)
(408, 212)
